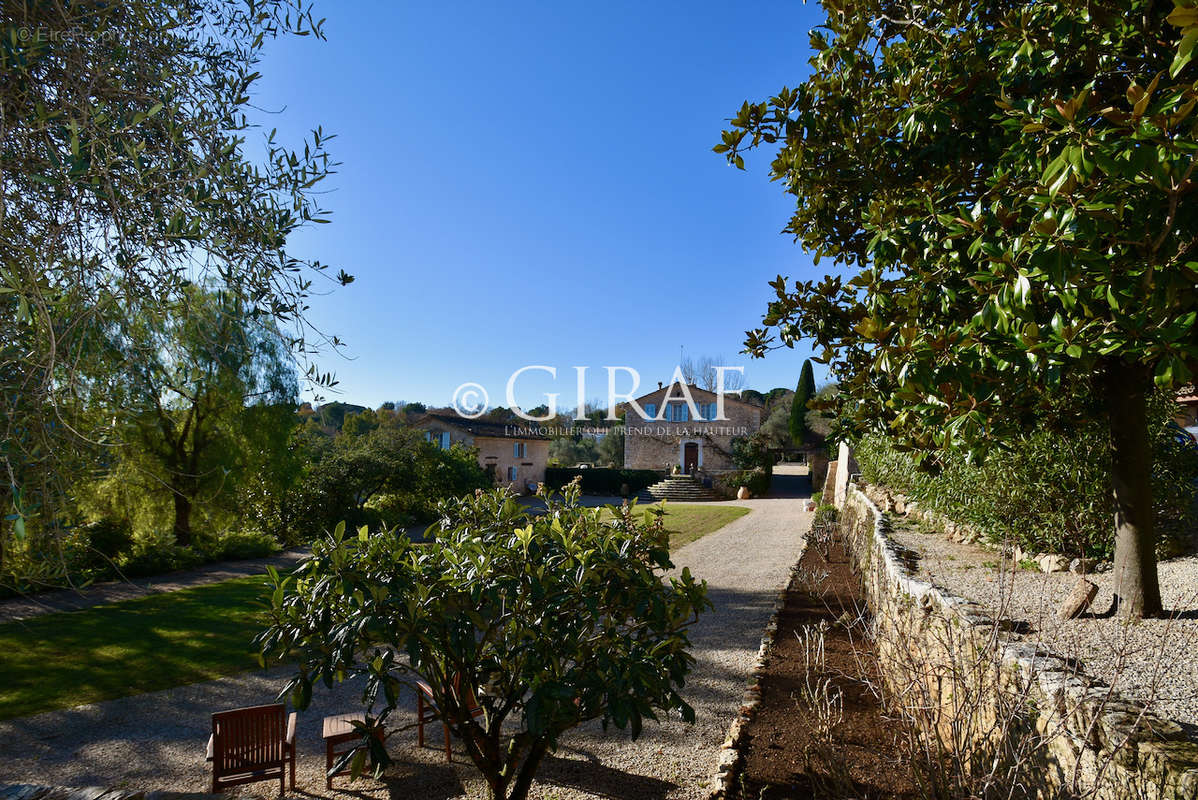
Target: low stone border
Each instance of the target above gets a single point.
(732, 750)
(30, 791)
(1095, 733)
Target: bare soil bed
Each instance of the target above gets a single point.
(1152, 662)
(803, 742)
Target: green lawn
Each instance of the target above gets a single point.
(67, 659)
(689, 521)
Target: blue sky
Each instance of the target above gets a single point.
(534, 184)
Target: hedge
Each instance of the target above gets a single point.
(603, 480)
(1049, 492)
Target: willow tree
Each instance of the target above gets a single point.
(192, 372)
(1005, 190)
(124, 178)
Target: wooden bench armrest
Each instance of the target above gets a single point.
(291, 730)
(208, 757)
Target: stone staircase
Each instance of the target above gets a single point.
(681, 488)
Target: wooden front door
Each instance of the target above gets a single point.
(690, 457)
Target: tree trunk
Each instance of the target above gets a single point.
(528, 769)
(182, 518)
(1137, 590)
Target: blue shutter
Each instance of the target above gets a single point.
(445, 440)
(650, 410)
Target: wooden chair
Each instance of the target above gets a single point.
(252, 744)
(427, 711)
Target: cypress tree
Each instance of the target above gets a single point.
(798, 408)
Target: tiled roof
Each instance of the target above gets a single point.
(522, 429)
(675, 393)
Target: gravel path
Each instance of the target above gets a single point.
(1150, 661)
(155, 741)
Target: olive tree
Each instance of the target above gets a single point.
(544, 620)
(1006, 190)
(126, 178)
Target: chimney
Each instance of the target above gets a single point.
(659, 384)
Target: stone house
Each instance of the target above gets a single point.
(1187, 409)
(670, 433)
(513, 455)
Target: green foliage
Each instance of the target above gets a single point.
(757, 481)
(752, 396)
(389, 476)
(153, 554)
(602, 480)
(611, 448)
(753, 452)
(127, 180)
(775, 425)
(1048, 491)
(189, 369)
(804, 392)
(546, 620)
(570, 450)
(1008, 181)
(825, 515)
(236, 545)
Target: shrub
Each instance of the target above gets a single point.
(603, 480)
(399, 510)
(351, 482)
(498, 610)
(756, 480)
(109, 538)
(236, 545)
(157, 553)
(752, 452)
(824, 515)
(1048, 492)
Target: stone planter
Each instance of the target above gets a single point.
(743, 493)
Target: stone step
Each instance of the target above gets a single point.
(678, 487)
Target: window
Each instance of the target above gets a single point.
(445, 440)
(511, 473)
(650, 410)
(518, 450)
(677, 412)
(709, 411)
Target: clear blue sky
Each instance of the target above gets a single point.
(534, 184)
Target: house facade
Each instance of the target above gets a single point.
(1187, 409)
(670, 433)
(514, 456)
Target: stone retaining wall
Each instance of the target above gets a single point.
(986, 701)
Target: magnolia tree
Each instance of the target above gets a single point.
(1007, 188)
(545, 621)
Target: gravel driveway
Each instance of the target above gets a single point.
(156, 740)
(1150, 661)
